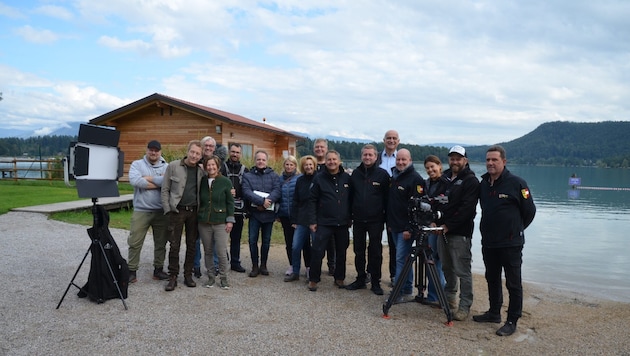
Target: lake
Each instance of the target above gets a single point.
(578, 239)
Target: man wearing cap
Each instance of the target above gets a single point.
(454, 247)
(145, 175)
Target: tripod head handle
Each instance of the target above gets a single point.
(427, 229)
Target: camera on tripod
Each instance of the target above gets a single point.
(421, 212)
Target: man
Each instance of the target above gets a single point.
(234, 170)
(208, 145)
(145, 175)
(507, 209)
(387, 161)
(370, 184)
(406, 182)
(454, 247)
(329, 215)
(261, 188)
(320, 147)
(180, 199)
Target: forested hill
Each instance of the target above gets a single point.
(604, 144)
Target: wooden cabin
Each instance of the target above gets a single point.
(175, 122)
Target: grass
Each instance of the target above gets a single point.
(34, 192)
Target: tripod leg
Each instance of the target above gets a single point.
(111, 272)
(73, 277)
(433, 274)
(393, 296)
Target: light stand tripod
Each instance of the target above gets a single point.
(420, 253)
(95, 232)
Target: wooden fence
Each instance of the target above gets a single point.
(26, 168)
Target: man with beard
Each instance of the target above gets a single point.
(454, 247)
(234, 170)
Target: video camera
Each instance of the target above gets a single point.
(421, 213)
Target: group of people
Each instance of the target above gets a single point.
(317, 202)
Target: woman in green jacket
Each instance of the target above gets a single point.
(215, 219)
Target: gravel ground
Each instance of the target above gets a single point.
(260, 315)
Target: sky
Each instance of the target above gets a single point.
(469, 72)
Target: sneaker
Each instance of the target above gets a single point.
(289, 271)
(356, 285)
(460, 315)
(292, 277)
(133, 278)
(487, 317)
(224, 283)
(197, 272)
(405, 298)
(376, 289)
(507, 329)
(210, 282)
(431, 303)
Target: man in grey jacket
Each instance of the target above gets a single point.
(145, 175)
(180, 199)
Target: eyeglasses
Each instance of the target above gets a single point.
(209, 145)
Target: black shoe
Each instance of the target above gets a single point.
(197, 272)
(487, 317)
(507, 329)
(132, 277)
(238, 268)
(356, 285)
(172, 283)
(376, 288)
(188, 281)
(263, 269)
(254, 272)
(431, 303)
(292, 277)
(159, 275)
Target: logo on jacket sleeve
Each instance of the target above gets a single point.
(419, 189)
(525, 193)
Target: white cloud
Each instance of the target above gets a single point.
(54, 11)
(34, 35)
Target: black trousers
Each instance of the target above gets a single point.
(322, 237)
(235, 240)
(508, 259)
(185, 219)
(374, 231)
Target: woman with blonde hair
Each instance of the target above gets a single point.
(289, 176)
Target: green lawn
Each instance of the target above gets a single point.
(34, 192)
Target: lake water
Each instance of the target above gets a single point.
(579, 239)
(25, 169)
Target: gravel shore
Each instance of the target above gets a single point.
(263, 315)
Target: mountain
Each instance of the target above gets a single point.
(568, 143)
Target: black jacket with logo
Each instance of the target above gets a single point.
(329, 202)
(404, 185)
(370, 186)
(507, 209)
(458, 213)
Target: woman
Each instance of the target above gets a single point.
(299, 218)
(215, 219)
(436, 186)
(289, 177)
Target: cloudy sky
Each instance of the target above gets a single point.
(472, 72)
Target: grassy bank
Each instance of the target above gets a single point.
(32, 192)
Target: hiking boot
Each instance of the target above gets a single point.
(159, 275)
(132, 277)
(312, 286)
(188, 281)
(172, 283)
(292, 277)
(460, 315)
(197, 272)
(254, 272)
(210, 282)
(487, 317)
(224, 283)
(507, 329)
(263, 269)
(376, 288)
(358, 284)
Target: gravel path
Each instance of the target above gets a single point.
(260, 315)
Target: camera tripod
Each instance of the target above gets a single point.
(420, 253)
(100, 222)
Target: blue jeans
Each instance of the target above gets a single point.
(456, 256)
(403, 249)
(432, 289)
(265, 229)
(301, 242)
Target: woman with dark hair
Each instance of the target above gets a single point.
(436, 186)
(215, 219)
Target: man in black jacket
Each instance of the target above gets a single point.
(234, 170)
(454, 247)
(370, 184)
(329, 218)
(507, 209)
